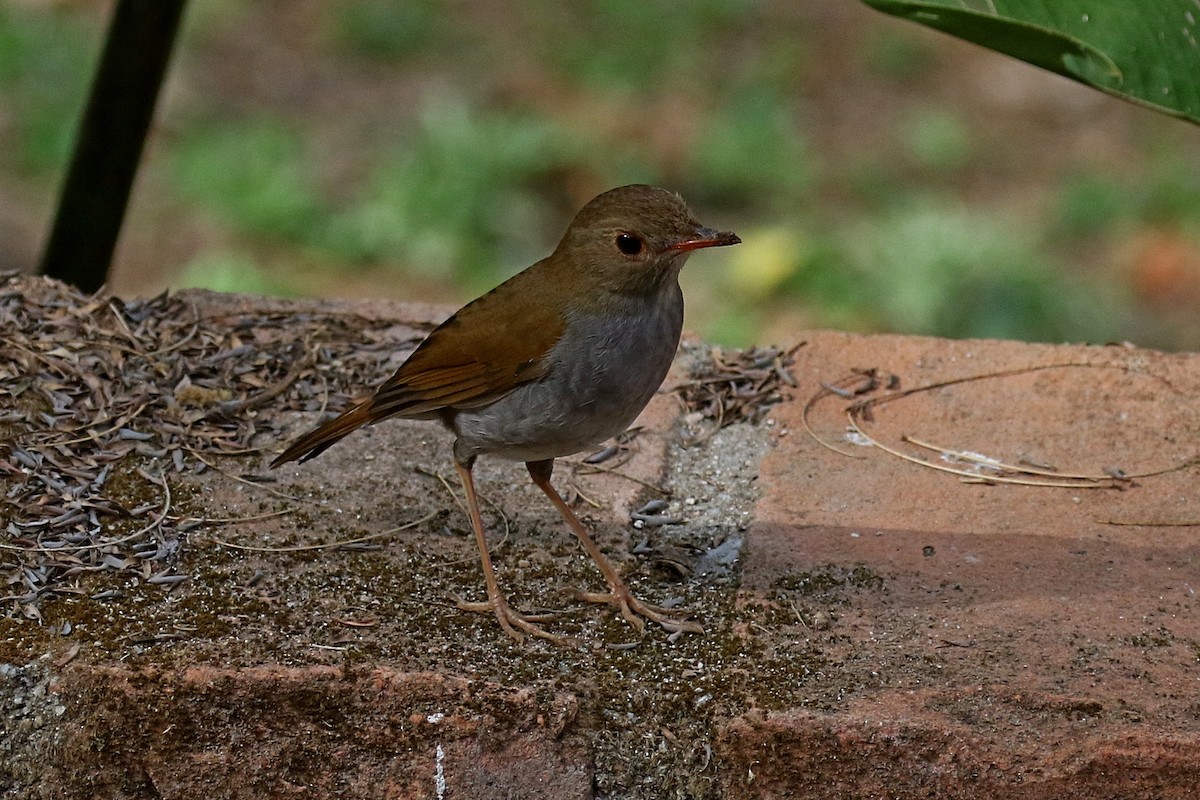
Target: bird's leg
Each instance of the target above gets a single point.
(512, 622)
(619, 594)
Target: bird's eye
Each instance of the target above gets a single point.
(629, 244)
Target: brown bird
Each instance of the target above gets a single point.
(552, 362)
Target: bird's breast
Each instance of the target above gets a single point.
(601, 374)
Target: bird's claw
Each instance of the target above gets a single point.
(636, 612)
(514, 623)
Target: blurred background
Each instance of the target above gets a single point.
(884, 177)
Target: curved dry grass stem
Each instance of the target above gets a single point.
(1001, 466)
(462, 507)
(996, 463)
(79, 548)
(1145, 524)
(591, 468)
(445, 485)
(326, 546)
(874, 402)
(837, 390)
(178, 345)
(234, 520)
(247, 481)
(861, 411)
(574, 485)
(975, 477)
(93, 436)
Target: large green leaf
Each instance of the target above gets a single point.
(1142, 50)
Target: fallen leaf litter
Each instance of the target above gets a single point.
(102, 401)
(727, 386)
(105, 400)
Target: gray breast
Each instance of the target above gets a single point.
(602, 374)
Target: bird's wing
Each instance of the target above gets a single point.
(481, 353)
(486, 350)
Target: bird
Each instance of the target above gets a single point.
(552, 362)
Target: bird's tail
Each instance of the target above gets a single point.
(315, 442)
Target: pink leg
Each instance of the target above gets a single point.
(619, 594)
(512, 622)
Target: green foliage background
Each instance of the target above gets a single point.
(883, 177)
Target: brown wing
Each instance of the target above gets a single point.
(491, 346)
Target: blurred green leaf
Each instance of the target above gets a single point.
(937, 139)
(1096, 202)
(1090, 203)
(632, 44)
(895, 58)
(752, 150)
(45, 65)
(1144, 51)
(1170, 194)
(253, 172)
(456, 198)
(388, 30)
(229, 272)
(528, 106)
(941, 270)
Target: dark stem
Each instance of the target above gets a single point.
(111, 134)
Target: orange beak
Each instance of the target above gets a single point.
(706, 237)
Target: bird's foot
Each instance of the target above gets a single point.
(514, 623)
(636, 612)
